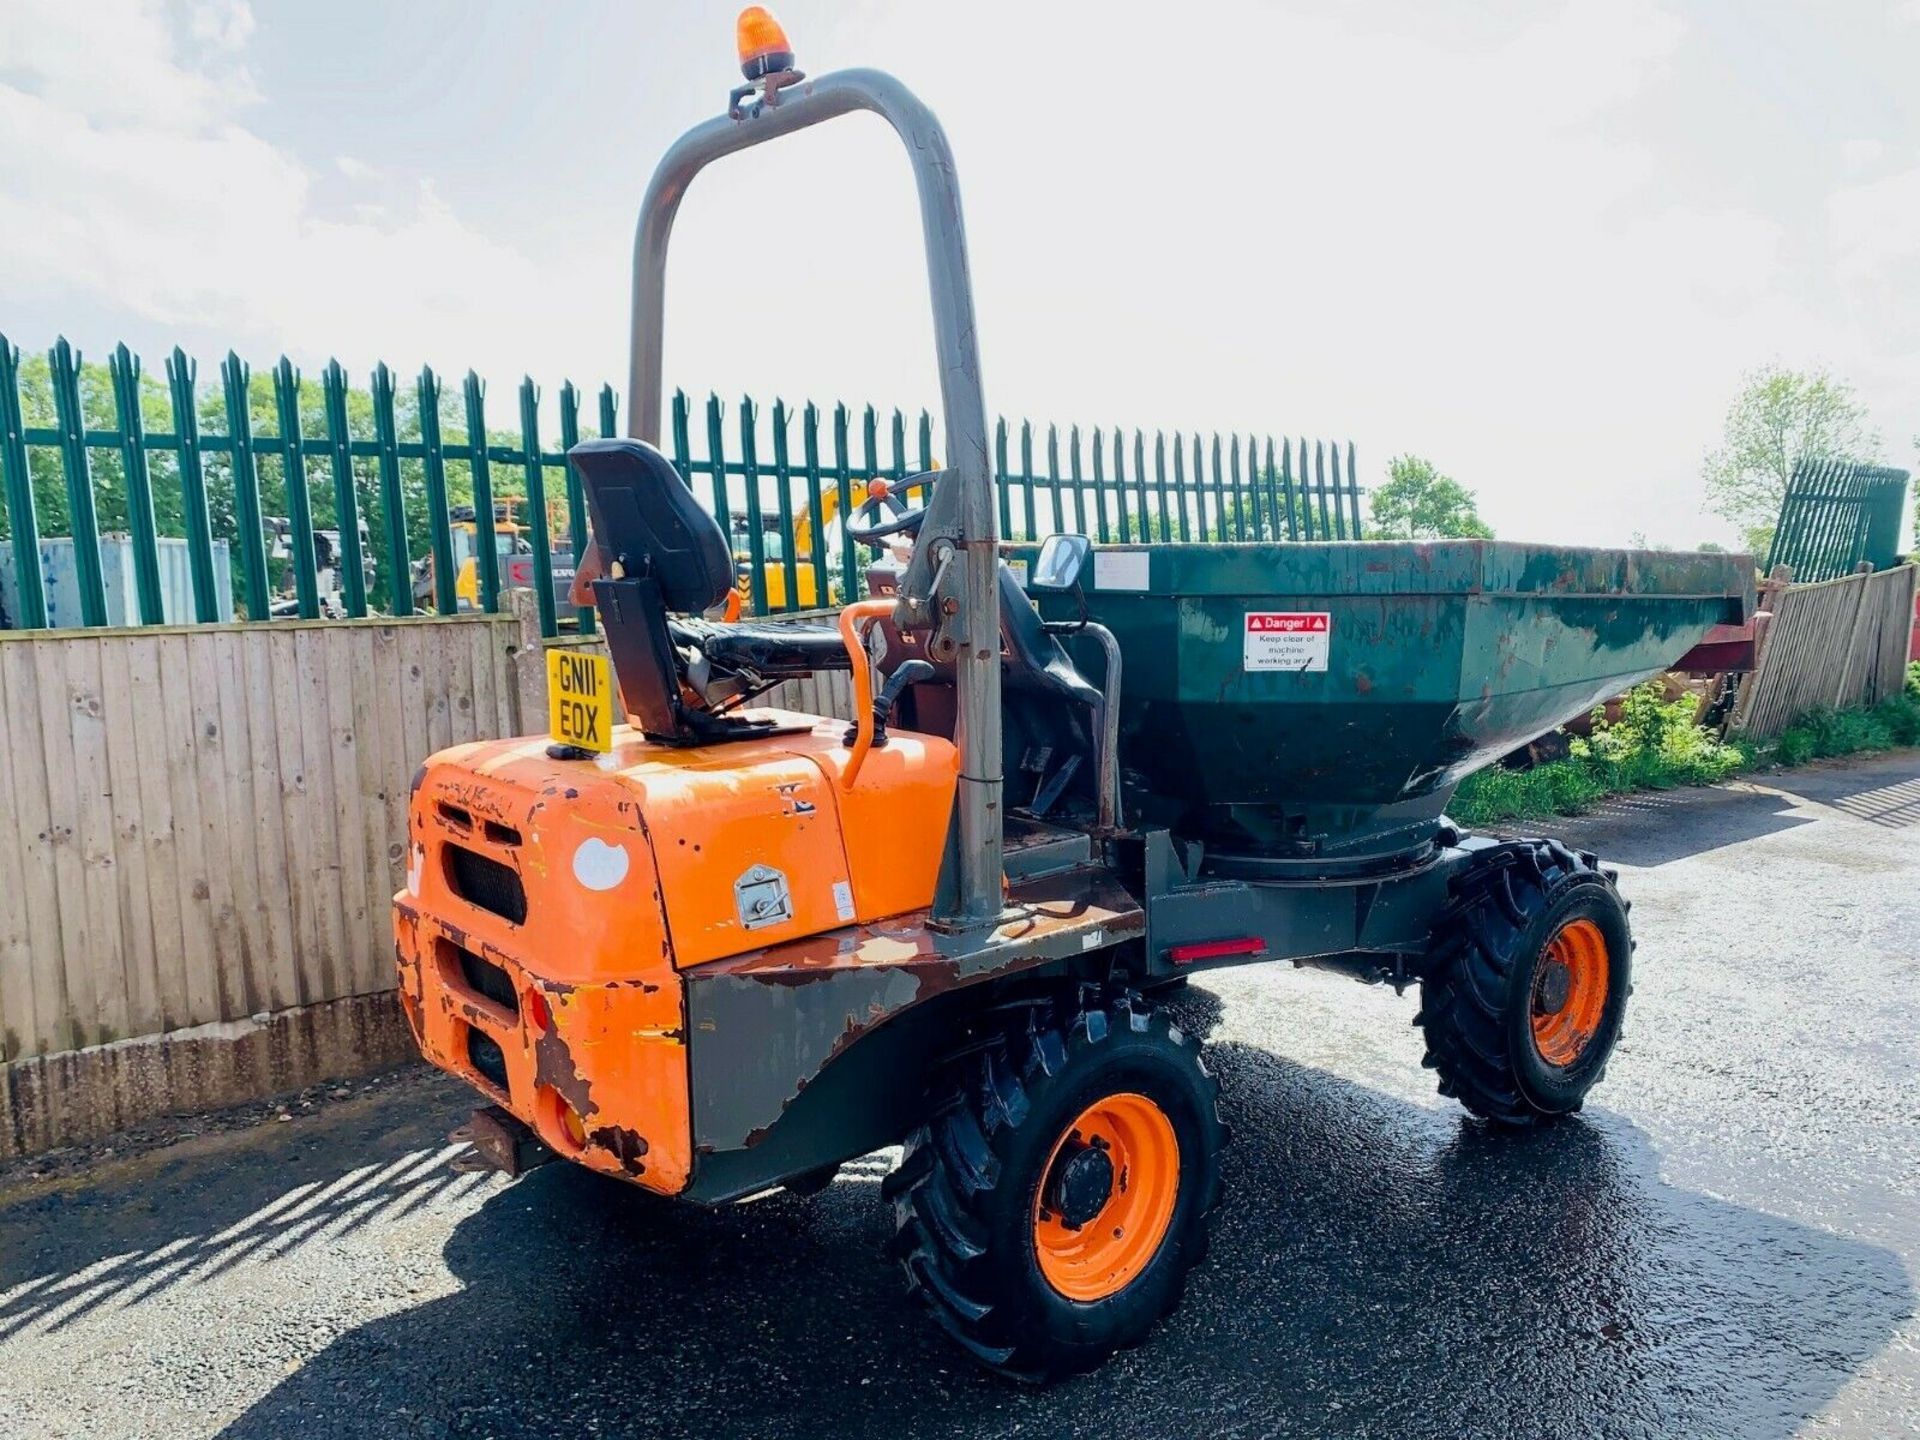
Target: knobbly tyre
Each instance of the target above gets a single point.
(744, 945)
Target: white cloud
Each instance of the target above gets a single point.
(109, 61)
(1876, 226)
(221, 24)
(132, 180)
(1430, 242)
(1464, 232)
(1874, 231)
(1862, 152)
(1583, 59)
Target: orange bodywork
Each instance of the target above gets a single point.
(551, 904)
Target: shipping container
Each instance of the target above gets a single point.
(117, 581)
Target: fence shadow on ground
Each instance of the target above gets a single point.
(1887, 795)
(1646, 828)
(1378, 1267)
(1656, 827)
(1893, 807)
(70, 1253)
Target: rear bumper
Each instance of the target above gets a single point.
(557, 1003)
(569, 1060)
(557, 1056)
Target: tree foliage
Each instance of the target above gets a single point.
(1779, 418)
(1419, 503)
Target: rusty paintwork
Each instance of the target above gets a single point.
(630, 867)
(764, 1023)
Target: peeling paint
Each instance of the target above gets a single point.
(798, 1007)
(626, 1146)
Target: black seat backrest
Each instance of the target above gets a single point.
(646, 518)
(1035, 657)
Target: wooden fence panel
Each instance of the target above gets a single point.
(1832, 645)
(200, 830)
(200, 824)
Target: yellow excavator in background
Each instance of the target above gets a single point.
(512, 543)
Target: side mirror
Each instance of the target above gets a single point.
(1058, 567)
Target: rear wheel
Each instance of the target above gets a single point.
(1048, 1213)
(1527, 983)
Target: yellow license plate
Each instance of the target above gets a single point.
(580, 699)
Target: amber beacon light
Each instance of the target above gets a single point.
(762, 43)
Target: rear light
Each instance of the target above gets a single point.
(571, 1125)
(537, 1011)
(1215, 949)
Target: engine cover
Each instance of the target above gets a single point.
(551, 904)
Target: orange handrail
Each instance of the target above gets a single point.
(850, 623)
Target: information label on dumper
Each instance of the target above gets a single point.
(1288, 639)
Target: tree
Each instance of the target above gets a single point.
(1780, 418)
(1419, 503)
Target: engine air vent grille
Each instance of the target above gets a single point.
(483, 977)
(483, 881)
(485, 1055)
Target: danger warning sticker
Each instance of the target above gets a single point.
(1288, 639)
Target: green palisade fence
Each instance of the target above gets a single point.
(1837, 514)
(332, 501)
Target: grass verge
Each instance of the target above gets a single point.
(1655, 745)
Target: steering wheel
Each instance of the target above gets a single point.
(869, 523)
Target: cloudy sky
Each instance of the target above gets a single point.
(1537, 243)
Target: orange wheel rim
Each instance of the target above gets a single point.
(1570, 987)
(1106, 1197)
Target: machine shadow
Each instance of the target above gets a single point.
(1378, 1268)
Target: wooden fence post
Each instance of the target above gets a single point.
(529, 662)
(1771, 589)
(1863, 577)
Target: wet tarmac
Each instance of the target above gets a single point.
(1726, 1244)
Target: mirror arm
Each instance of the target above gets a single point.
(1070, 627)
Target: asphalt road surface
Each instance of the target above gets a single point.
(1726, 1244)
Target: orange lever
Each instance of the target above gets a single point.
(851, 619)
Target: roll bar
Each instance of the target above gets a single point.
(961, 510)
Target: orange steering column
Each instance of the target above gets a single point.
(851, 624)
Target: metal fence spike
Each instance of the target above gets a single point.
(1223, 497)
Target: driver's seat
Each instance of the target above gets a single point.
(661, 553)
(647, 521)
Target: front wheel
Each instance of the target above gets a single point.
(1048, 1214)
(1527, 983)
